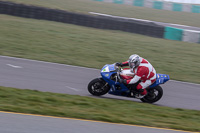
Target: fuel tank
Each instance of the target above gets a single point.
(127, 74)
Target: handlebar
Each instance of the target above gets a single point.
(118, 69)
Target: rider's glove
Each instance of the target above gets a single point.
(123, 81)
(118, 64)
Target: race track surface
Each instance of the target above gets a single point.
(52, 77)
(20, 123)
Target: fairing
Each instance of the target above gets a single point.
(127, 74)
(160, 79)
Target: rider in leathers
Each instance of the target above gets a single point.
(143, 71)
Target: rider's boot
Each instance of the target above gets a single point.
(132, 92)
(142, 93)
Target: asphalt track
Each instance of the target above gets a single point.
(23, 123)
(52, 77)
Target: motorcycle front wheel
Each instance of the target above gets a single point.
(98, 87)
(154, 94)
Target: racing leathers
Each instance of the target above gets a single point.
(145, 73)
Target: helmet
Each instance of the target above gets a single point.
(134, 61)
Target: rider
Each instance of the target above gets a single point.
(143, 70)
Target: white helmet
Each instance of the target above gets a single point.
(134, 61)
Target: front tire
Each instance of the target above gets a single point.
(154, 94)
(98, 87)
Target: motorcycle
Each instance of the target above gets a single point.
(109, 83)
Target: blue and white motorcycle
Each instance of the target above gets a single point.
(108, 83)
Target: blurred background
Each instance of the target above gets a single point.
(184, 1)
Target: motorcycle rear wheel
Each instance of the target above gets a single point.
(98, 87)
(154, 94)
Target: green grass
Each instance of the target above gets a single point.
(82, 46)
(109, 110)
(85, 6)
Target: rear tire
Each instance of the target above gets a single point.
(154, 94)
(98, 87)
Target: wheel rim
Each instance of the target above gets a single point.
(153, 94)
(97, 87)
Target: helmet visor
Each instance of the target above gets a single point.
(131, 64)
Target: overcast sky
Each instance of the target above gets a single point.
(185, 1)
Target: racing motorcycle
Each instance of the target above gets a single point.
(109, 83)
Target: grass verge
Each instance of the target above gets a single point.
(85, 6)
(109, 110)
(82, 46)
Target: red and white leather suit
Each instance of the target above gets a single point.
(145, 72)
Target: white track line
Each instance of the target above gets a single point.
(14, 66)
(47, 62)
(72, 88)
